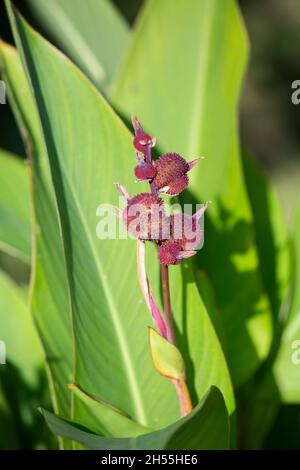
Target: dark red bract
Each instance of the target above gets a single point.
(145, 171)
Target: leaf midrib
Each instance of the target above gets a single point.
(125, 353)
(198, 108)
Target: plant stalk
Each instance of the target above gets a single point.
(167, 304)
(180, 385)
(183, 396)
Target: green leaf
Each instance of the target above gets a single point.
(113, 422)
(166, 357)
(92, 33)
(206, 427)
(286, 368)
(271, 235)
(15, 232)
(49, 301)
(87, 156)
(23, 349)
(8, 439)
(279, 380)
(182, 78)
(23, 381)
(197, 340)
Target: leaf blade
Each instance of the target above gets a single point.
(120, 361)
(15, 230)
(48, 296)
(199, 96)
(94, 34)
(173, 437)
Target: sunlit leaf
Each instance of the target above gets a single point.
(22, 346)
(286, 368)
(15, 232)
(204, 359)
(87, 156)
(107, 420)
(49, 302)
(91, 31)
(166, 357)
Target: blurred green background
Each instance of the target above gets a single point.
(269, 128)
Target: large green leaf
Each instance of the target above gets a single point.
(23, 349)
(49, 302)
(23, 382)
(286, 368)
(90, 31)
(89, 150)
(112, 420)
(182, 78)
(279, 380)
(15, 233)
(205, 428)
(204, 358)
(271, 235)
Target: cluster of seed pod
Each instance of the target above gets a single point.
(177, 236)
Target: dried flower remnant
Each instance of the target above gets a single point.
(142, 141)
(185, 240)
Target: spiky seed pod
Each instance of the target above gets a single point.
(168, 253)
(186, 238)
(186, 231)
(170, 169)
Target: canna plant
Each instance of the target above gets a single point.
(221, 322)
(177, 237)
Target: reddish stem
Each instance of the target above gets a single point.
(180, 385)
(146, 290)
(167, 304)
(148, 159)
(183, 397)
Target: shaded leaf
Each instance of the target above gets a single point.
(8, 439)
(271, 235)
(206, 427)
(279, 380)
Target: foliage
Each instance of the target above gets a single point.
(236, 303)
